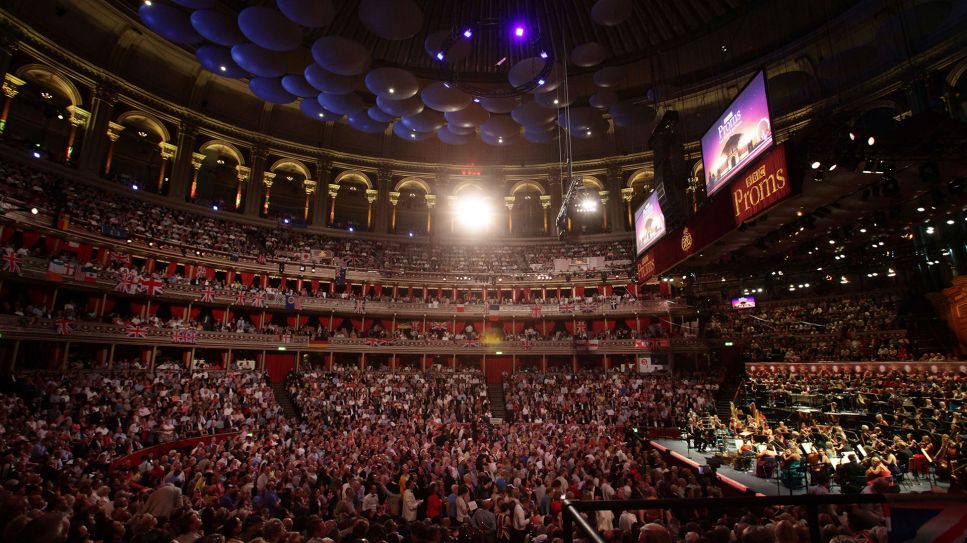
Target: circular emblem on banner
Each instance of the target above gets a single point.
(686, 240)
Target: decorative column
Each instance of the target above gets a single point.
(113, 133)
(371, 196)
(383, 209)
(394, 198)
(253, 192)
(613, 186)
(180, 187)
(78, 118)
(452, 202)
(430, 204)
(333, 192)
(604, 208)
(168, 152)
(11, 87)
(554, 182)
(102, 106)
(310, 187)
(626, 195)
(196, 161)
(323, 170)
(243, 173)
(267, 179)
(509, 202)
(545, 205)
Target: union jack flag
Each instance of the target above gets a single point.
(239, 298)
(936, 522)
(11, 262)
(136, 330)
(416, 325)
(153, 286)
(63, 326)
(581, 327)
(587, 308)
(566, 308)
(258, 299)
(183, 335)
(439, 325)
(536, 311)
(208, 294)
(359, 306)
(124, 283)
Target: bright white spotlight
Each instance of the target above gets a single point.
(474, 213)
(816, 165)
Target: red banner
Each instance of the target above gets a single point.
(761, 187)
(719, 217)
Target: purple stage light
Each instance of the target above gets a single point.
(439, 55)
(544, 55)
(519, 31)
(467, 33)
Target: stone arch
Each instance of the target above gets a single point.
(956, 73)
(465, 185)
(639, 176)
(145, 120)
(592, 182)
(523, 185)
(353, 175)
(292, 165)
(413, 182)
(223, 147)
(51, 78)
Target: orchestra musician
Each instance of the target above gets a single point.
(877, 469)
(947, 458)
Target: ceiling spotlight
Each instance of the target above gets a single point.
(147, 2)
(467, 33)
(815, 165)
(519, 31)
(930, 230)
(35, 154)
(142, 133)
(950, 221)
(540, 82)
(60, 116)
(412, 135)
(556, 101)
(439, 55)
(871, 141)
(832, 242)
(221, 161)
(476, 100)
(134, 186)
(921, 209)
(832, 167)
(544, 55)
(223, 68)
(862, 230)
(500, 140)
(351, 229)
(411, 234)
(392, 90)
(852, 136)
(285, 220)
(890, 272)
(214, 207)
(34, 211)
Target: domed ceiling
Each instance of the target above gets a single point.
(457, 70)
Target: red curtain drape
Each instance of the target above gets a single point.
(30, 239)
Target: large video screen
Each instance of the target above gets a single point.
(649, 223)
(743, 302)
(742, 133)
